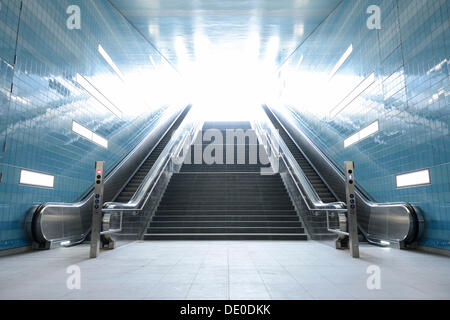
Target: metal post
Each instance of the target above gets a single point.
(351, 208)
(97, 209)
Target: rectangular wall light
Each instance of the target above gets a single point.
(36, 179)
(152, 61)
(366, 83)
(86, 85)
(299, 62)
(362, 134)
(413, 179)
(88, 134)
(111, 63)
(99, 140)
(341, 61)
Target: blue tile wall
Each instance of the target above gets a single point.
(410, 56)
(36, 117)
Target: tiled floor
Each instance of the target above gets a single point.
(225, 270)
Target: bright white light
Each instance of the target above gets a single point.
(82, 131)
(36, 179)
(100, 140)
(341, 61)
(353, 95)
(152, 61)
(369, 130)
(412, 179)
(228, 80)
(362, 134)
(299, 62)
(182, 53)
(111, 63)
(351, 140)
(153, 29)
(88, 134)
(299, 30)
(273, 47)
(65, 243)
(385, 243)
(83, 82)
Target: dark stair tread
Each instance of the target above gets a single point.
(226, 236)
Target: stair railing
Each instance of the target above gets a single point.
(146, 198)
(271, 139)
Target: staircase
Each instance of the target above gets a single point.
(225, 201)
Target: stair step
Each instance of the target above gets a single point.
(225, 218)
(224, 236)
(226, 212)
(225, 230)
(224, 224)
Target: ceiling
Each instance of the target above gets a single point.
(175, 26)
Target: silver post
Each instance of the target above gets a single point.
(351, 208)
(97, 209)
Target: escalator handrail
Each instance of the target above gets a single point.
(181, 136)
(185, 110)
(330, 161)
(305, 188)
(300, 149)
(37, 212)
(417, 222)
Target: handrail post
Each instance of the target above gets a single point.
(351, 208)
(97, 209)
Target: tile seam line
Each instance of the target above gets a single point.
(309, 35)
(143, 36)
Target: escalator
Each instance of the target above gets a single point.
(52, 224)
(325, 194)
(398, 224)
(130, 188)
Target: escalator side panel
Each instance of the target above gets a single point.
(51, 223)
(401, 224)
(325, 194)
(130, 188)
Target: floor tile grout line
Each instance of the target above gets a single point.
(295, 279)
(228, 273)
(262, 279)
(197, 273)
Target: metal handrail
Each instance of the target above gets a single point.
(46, 223)
(306, 190)
(139, 200)
(406, 222)
(137, 204)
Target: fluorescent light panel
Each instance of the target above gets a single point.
(412, 179)
(362, 134)
(83, 82)
(299, 62)
(366, 83)
(111, 63)
(88, 134)
(341, 61)
(152, 61)
(100, 140)
(36, 179)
